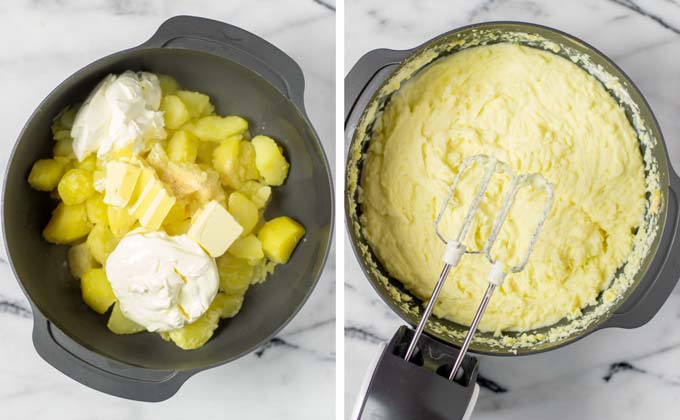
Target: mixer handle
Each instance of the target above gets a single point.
(96, 372)
(663, 274)
(234, 44)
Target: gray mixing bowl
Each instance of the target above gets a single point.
(369, 86)
(244, 75)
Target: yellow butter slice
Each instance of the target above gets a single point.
(121, 180)
(215, 229)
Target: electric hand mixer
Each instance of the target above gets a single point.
(400, 388)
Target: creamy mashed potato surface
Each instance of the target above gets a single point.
(538, 112)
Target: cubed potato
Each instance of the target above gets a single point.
(89, 163)
(177, 228)
(46, 173)
(234, 160)
(196, 334)
(279, 238)
(97, 210)
(75, 186)
(183, 147)
(258, 192)
(269, 160)
(228, 305)
(119, 324)
(205, 152)
(244, 211)
(197, 103)
(168, 84)
(177, 213)
(216, 128)
(62, 123)
(175, 113)
(120, 221)
(101, 242)
(225, 160)
(235, 274)
(68, 224)
(80, 260)
(96, 290)
(247, 162)
(261, 270)
(64, 148)
(247, 247)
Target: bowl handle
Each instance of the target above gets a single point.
(94, 371)
(365, 77)
(665, 270)
(235, 44)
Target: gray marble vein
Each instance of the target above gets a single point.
(633, 6)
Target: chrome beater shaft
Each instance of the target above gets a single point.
(456, 248)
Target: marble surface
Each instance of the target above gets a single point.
(612, 374)
(46, 41)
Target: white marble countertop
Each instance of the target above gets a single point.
(612, 374)
(46, 41)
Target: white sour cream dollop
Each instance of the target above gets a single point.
(122, 110)
(162, 282)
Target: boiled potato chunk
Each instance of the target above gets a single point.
(247, 247)
(96, 290)
(258, 192)
(216, 128)
(228, 305)
(269, 160)
(183, 147)
(225, 160)
(101, 242)
(177, 228)
(234, 159)
(205, 152)
(168, 84)
(68, 224)
(89, 163)
(244, 211)
(75, 186)
(197, 333)
(235, 274)
(80, 260)
(62, 123)
(120, 221)
(177, 213)
(197, 103)
(64, 148)
(175, 113)
(118, 324)
(97, 210)
(46, 173)
(279, 238)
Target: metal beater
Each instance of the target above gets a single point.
(456, 248)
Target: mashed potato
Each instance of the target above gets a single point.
(538, 112)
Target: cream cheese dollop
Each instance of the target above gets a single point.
(162, 282)
(122, 110)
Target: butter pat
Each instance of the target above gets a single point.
(215, 229)
(121, 179)
(159, 208)
(151, 201)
